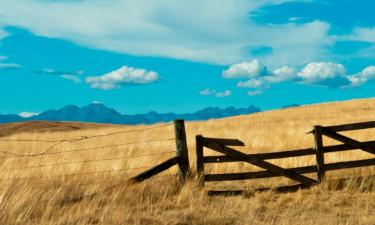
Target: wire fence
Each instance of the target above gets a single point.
(56, 143)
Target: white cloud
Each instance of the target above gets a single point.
(368, 73)
(315, 72)
(362, 34)
(226, 93)
(49, 71)
(73, 78)
(28, 114)
(261, 78)
(122, 76)
(3, 34)
(249, 69)
(294, 18)
(283, 73)
(217, 33)
(362, 77)
(254, 93)
(7, 66)
(253, 83)
(209, 91)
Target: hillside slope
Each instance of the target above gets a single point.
(50, 198)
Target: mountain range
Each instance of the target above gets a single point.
(99, 113)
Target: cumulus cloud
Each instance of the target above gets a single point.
(209, 91)
(28, 114)
(260, 76)
(362, 77)
(316, 72)
(147, 30)
(327, 74)
(281, 74)
(123, 76)
(247, 69)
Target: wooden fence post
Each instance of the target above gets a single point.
(200, 163)
(181, 151)
(318, 137)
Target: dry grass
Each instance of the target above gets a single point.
(93, 198)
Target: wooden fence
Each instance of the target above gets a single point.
(181, 159)
(229, 154)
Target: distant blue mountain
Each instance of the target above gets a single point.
(99, 113)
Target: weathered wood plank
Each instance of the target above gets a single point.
(352, 126)
(318, 139)
(200, 163)
(181, 151)
(345, 147)
(350, 164)
(155, 170)
(260, 163)
(263, 156)
(303, 170)
(349, 141)
(286, 154)
(227, 142)
(282, 189)
(254, 175)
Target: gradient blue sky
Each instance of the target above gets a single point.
(181, 56)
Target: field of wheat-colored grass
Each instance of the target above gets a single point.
(84, 182)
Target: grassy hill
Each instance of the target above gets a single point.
(40, 188)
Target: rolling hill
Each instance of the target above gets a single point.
(39, 189)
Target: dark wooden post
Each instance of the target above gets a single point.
(181, 151)
(318, 136)
(200, 163)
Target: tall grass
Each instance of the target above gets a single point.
(42, 195)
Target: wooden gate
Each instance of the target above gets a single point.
(229, 154)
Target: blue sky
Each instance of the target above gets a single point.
(181, 56)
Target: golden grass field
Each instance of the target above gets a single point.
(33, 190)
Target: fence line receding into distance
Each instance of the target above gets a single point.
(180, 159)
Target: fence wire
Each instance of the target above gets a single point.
(86, 161)
(55, 143)
(48, 152)
(81, 138)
